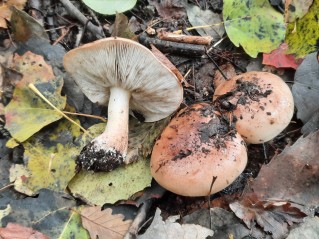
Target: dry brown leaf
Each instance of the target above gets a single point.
(103, 224)
(17, 231)
(293, 175)
(5, 12)
(272, 216)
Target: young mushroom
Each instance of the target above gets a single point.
(198, 153)
(125, 75)
(261, 102)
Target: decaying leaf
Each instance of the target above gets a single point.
(285, 189)
(306, 88)
(296, 9)
(73, 228)
(169, 9)
(103, 224)
(120, 27)
(293, 175)
(5, 10)
(198, 17)
(172, 229)
(302, 36)
(33, 68)
(26, 113)
(47, 213)
(17, 231)
(18, 175)
(272, 216)
(279, 59)
(51, 156)
(255, 25)
(25, 27)
(224, 223)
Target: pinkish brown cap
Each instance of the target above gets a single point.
(194, 148)
(263, 104)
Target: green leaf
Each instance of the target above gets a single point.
(110, 7)
(254, 25)
(26, 113)
(303, 35)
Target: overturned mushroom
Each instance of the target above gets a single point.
(261, 102)
(197, 153)
(123, 74)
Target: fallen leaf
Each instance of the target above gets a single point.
(18, 175)
(110, 7)
(73, 228)
(307, 230)
(302, 36)
(17, 231)
(255, 25)
(171, 229)
(51, 155)
(305, 89)
(271, 217)
(25, 27)
(198, 17)
(279, 59)
(5, 10)
(296, 9)
(169, 8)
(225, 224)
(48, 212)
(33, 68)
(5, 212)
(27, 113)
(101, 188)
(120, 27)
(104, 224)
(292, 175)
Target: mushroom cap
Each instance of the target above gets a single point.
(97, 66)
(195, 147)
(264, 104)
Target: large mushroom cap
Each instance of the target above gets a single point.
(194, 148)
(263, 104)
(155, 90)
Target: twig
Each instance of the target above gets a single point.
(71, 9)
(85, 115)
(197, 40)
(36, 91)
(173, 47)
(216, 65)
(139, 220)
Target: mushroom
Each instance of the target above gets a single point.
(261, 102)
(123, 74)
(198, 154)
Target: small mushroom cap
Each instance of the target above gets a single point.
(263, 108)
(97, 66)
(194, 148)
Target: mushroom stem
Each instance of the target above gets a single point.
(108, 150)
(116, 132)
